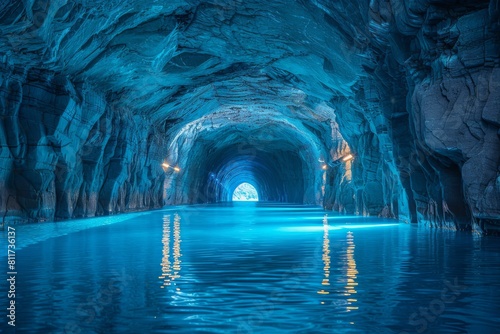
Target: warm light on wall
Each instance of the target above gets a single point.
(177, 169)
(347, 157)
(324, 167)
(339, 161)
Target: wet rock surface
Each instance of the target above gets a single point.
(95, 96)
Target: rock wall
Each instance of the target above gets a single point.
(66, 152)
(454, 105)
(427, 115)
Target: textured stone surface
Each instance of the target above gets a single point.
(67, 153)
(96, 95)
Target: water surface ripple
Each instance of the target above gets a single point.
(253, 268)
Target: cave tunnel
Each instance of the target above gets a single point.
(339, 145)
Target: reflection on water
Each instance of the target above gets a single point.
(256, 269)
(165, 262)
(351, 272)
(171, 272)
(350, 266)
(326, 258)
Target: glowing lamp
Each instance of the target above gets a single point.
(347, 157)
(168, 166)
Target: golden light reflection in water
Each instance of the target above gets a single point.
(326, 258)
(352, 273)
(171, 271)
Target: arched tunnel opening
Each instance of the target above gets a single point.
(245, 192)
(265, 170)
(281, 162)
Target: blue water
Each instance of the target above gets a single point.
(251, 268)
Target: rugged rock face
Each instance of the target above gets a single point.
(96, 96)
(65, 152)
(453, 82)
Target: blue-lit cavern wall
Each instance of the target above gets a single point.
(66, 152)
(95, 96)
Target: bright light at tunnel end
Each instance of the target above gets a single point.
(245, 192)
